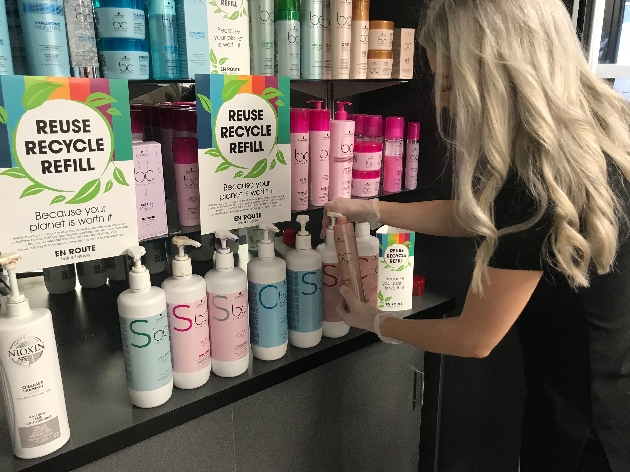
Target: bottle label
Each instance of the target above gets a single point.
(330, 291)
(190, 335)
(147, 352)
(268, 314)
(369, 276)
(229, 326)
(120, 23)
(305, 300)
(125, 64)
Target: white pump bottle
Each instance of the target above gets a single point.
(333, 325)
(187, 307)
(227, 309)
(145, 337)
(304, 285)
(267, 275)
(368, 248)
(30, 374)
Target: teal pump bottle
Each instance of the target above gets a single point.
(287, 39)
(163, 36)
(311, 16)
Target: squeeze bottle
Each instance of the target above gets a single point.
(287, 39)
(319, 137)
(299, 158)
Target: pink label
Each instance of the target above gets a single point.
(369, 276)
(392, 180)
(365, 187)
(367, 160)
(190, 336)
(330, 292)
(229, 325)
(319, 166)
(187, 180)
(299, 171)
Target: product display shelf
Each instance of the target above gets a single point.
(102, 418)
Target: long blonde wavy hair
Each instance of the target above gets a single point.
(523, 97)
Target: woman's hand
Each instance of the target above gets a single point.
(355, 210)
(361, 315)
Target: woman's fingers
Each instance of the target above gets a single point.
(350, 297)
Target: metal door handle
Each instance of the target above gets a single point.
(418, 392)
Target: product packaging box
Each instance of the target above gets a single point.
(192, 37)
(395, 268)
(228, 29)
(150, 200)
(403, 47)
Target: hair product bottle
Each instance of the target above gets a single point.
(267, 275)
(187, 308)
(287, 39)
(367, 247)
(6, 60)
(120, 19)
(187, 180)
(348, 256)
(192, 38)
(163, 36)
(326, 42)
(319, 137)
(341, 154)
(117, 268)
(92, 274)
(413, 152)
(341, 31)
(30, 374)
(359, 42)
(227, 307)
(333, 325)
(145, 337)
(18, 48)
(82, 38)
(304, 284)
(261, 31)
(311, 15)
(392, 165)
(61, 279)
(299, 158)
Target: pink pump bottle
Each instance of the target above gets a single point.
(186, 163)
(319, 137)
(413, 152)
(299, 158)
(393, 165)
(341, 153)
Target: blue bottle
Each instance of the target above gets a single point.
(6, 61)
(163, 39)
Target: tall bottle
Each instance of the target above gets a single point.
(82, 38)
(304, 285)
(326, 42)
(341, 154)
(287, 39)
(60, 279)
(187, 180)
(368, 247)
(393, 159)
(267, 276)
(46, 48)
(16, 38)
(299, 158)
(359, 41)
(92, 274)
(120, 19)
(341, 32)
(311, 15)
(145, 337)
(187, 308)
(163, 37)
(6, 60)
(411, 158)
(227, 307)
(30, 374)
(319, 144)
(348, 256)
(262, 36)
(333, 325)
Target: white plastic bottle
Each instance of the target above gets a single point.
(267, 275)
(333, 325)
(187, 307)
(227, 308)
(304, 286)
(92, 274)
(61, 279)
(30, 374)
(145, 337)
(368, 247)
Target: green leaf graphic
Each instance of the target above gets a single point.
(32, 190)
(240, 173)
(223, 166)
(213, 3)
(231, 89)
(205, 102)
(114, 111)
(16, 173)
(108, 186)
(3, 116)
(213, 56)
(223, 60)
(280, 157)
(120, 177)
(271, 92)
(98, 99)
(259, 169)
(380, 296)
(214, 152)
(86, 193)
(388, 299)
(273, 164)
(214, 72)
(234, 16)
(37, 94)
(401, 268)
(218, 10)
(57, 199)
(279, 103)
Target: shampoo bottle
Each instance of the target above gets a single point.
(261, 30)
(368, 247)
(187, 308)
(348, 256)
(30, 374)
(92, 274)
(359, 41)
(61, 279)
(326, 42)
(227, 308)
(311, 38)
(187, 180)
(18, 48)
(341, 32)
(393, 154)
(145, 337)
(6, 60)
(319, 144)
(341, 154)
(299, 158)
(411, 158)
(287, 39)
(267, 275)
(163, 37)
(334, 326)
(82, 38)
(304, 284)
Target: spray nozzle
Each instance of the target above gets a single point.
(224, 259)
(224, 235)
(341, 113)
(139, 277)
(318, 103)
(302, 220)
(181, 242)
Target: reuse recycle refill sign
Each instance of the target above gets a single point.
(66, 170)
(244, 150)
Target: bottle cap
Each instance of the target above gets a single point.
(362, 230)
(166, 116)
(139, 277)
(394, 127)
(299, 120)
(381, 24)
(288, 237)
(360, 10)
(418, 286)
(182, 265)
(303, 239)
(266, 244)
(185, 151)
(359, 124)
(17, 303)
(368, 147)
(286, 10)
(318, 104)
(224, 258)
(413, 131)
(366, 174)
(341, 113)
(374, 126)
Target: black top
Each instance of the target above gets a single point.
(576, 344)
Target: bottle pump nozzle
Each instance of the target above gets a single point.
(266, 245)
(330, 235)
(303, 238)
(224, 257)
(139, 277)
(182, 265)
(341, 113)
(17, 303)
(318, 103)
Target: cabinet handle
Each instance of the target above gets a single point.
(418, 391)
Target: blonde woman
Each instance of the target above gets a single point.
(541, 155)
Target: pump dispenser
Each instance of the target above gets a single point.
(319, 144)
(30, 374)
(145, 337)
(341, 113)
(227, 308)
(267, 275)
(304, 284)
(368, 247)
(333, 325)
(187, 308)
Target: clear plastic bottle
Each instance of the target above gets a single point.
(411, 159)
(82, 38)
(368, 248)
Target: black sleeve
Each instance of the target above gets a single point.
(522, 250)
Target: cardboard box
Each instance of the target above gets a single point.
(395, 268)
